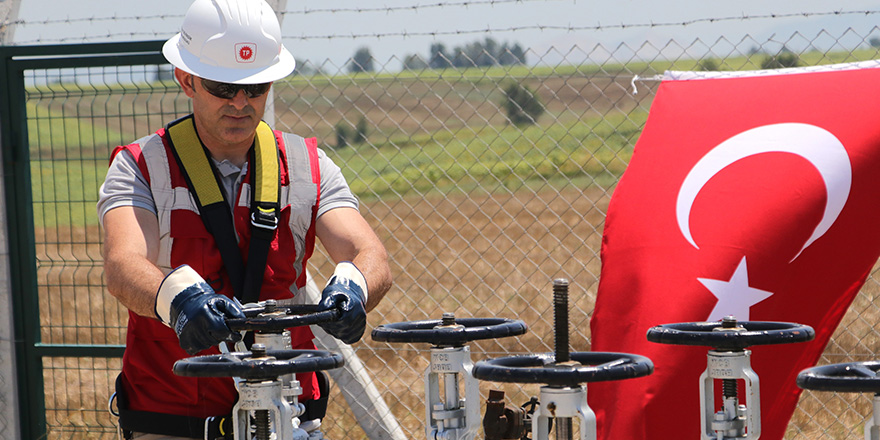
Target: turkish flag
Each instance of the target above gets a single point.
(754, 195)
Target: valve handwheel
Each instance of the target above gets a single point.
(583, 367)
(258, 365)
(851, 377)
(727, 335)
(269, 317)
(453, 332)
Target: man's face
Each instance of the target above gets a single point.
(223, 122)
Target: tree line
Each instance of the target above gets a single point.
(486, 53)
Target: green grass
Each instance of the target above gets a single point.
(53, 133)
(68, 163)
(508, 158)
(65, 191)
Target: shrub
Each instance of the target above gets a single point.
(343, 135)
(522, 105)
(780, 60)
(708, 65)
(360, 131)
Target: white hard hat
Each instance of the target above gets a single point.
(231, 41)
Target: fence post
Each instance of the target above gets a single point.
(9, 402)
(269, 115)
(8, 16)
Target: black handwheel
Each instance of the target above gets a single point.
(270, 318)
(440, 333)
(744, 334)
(542, 368)
(243, 364)
(851, 377)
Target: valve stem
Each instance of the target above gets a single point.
(560, 319)
(261, 416)
(728, 322)
(258, 351)
(729, 387)
(448, 318)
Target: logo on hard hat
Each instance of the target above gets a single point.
(245, 52)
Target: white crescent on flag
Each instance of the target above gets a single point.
(818, 146)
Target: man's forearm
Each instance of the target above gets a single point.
(134, 282)
(131, 243)
(374, 266)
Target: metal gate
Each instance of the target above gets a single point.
(64, 108)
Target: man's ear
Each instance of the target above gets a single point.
(186, 81)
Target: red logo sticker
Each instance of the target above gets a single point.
(245, 52)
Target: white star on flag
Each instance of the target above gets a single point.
(735, 297)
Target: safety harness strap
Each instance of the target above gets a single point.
(204, 184)
(266, 182)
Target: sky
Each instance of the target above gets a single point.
(332, 30)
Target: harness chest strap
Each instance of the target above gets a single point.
(204, 184)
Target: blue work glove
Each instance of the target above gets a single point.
(187, 304)
(346, 290)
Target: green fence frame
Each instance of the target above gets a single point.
(29, 351)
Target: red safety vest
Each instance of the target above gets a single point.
(151, 347)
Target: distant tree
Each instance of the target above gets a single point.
(477, 54)
(784, 58)
(414, 62)
(343, 134)
(362, 61)
(519, 53)
(484, 53)
(874, 41)
(522, 105)
(488, 54)
(461, 59)
(360, 131)
(511, 55)
(439, 58)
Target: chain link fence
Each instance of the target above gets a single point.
(485, 180)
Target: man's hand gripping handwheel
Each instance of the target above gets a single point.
(346, 291)
(187, 304)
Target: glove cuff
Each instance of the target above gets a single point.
(347, 270)
(174, 284)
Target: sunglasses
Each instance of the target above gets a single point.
(228, 91)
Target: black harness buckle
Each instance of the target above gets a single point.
(265, 217)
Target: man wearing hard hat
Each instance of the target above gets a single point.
(215, 210)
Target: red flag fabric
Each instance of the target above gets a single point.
(754, 195)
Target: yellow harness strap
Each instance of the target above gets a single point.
(197, 166)
(204, 184)
(266, 167)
